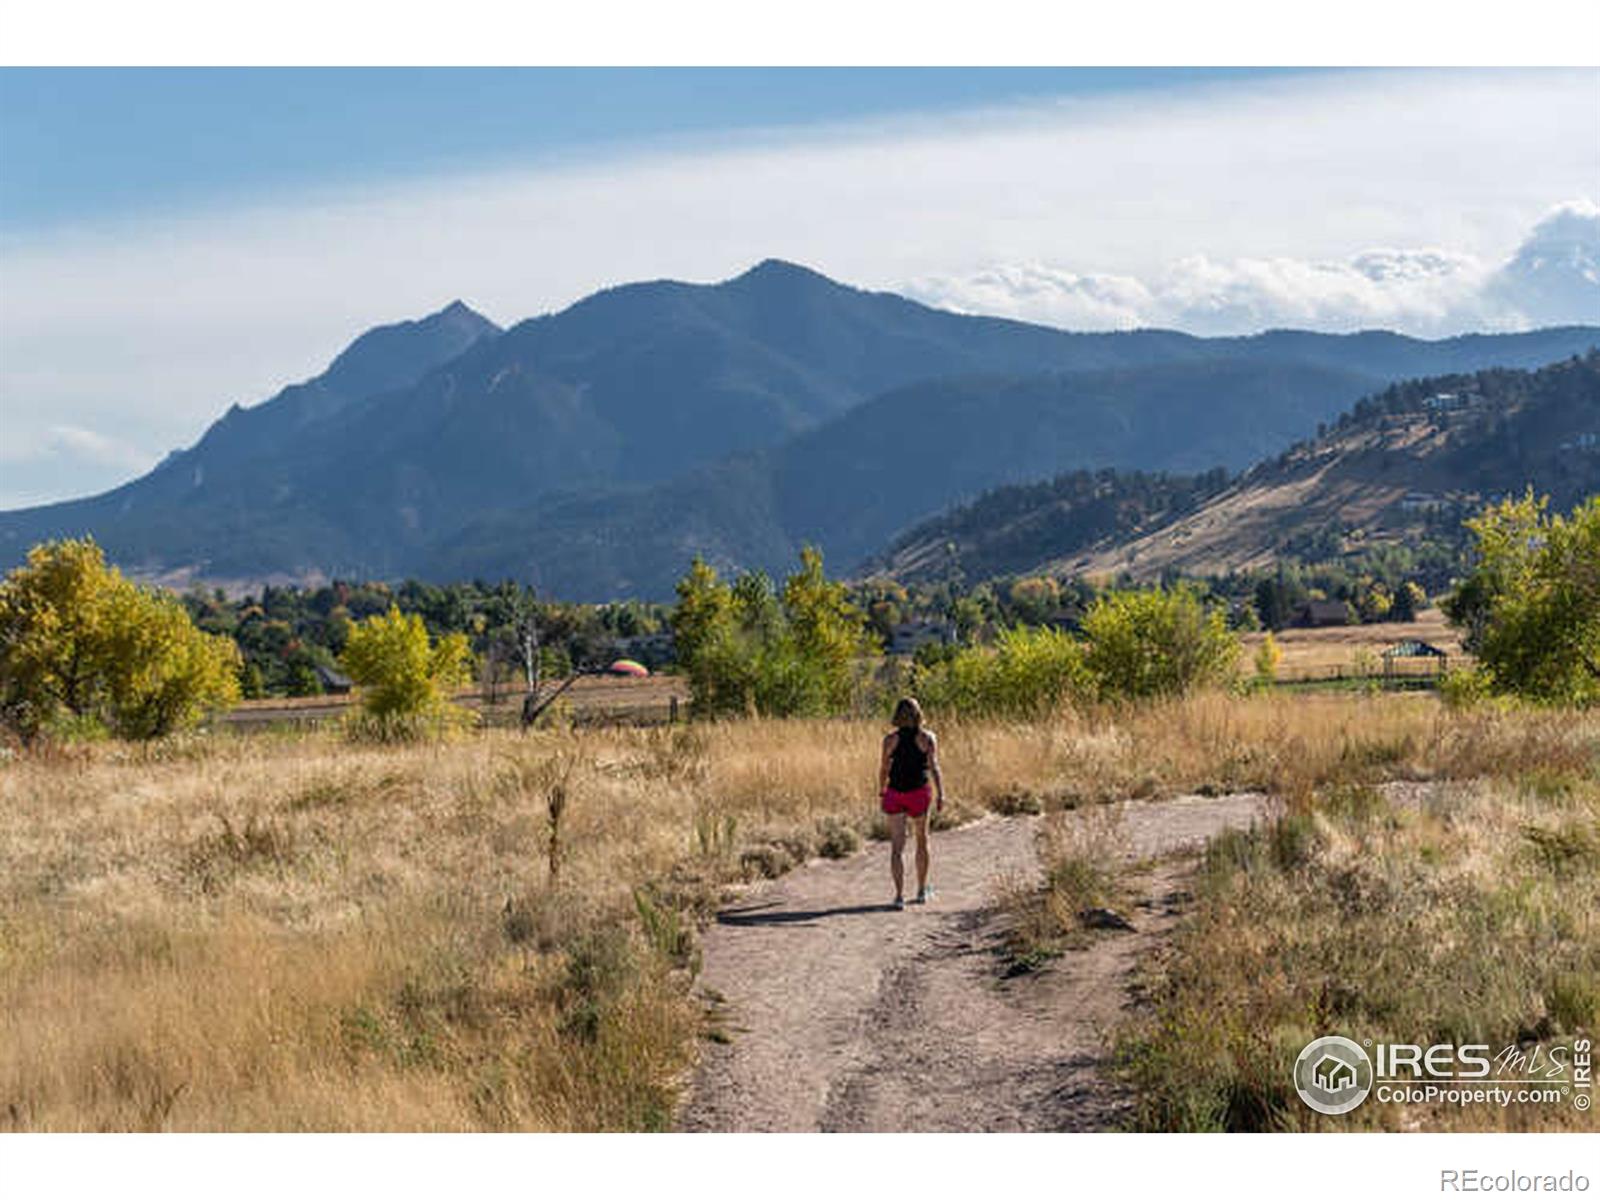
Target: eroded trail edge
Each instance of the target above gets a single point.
(839, 1013)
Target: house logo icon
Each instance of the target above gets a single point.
(1333, 1075)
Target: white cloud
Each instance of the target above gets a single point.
(1555, 274)
(1221, 200)
(1554, 277)
(33, 466)
(1421, 292)
(1040, 293)
(70, 441)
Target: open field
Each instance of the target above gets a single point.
(1354, 651)
(596, 699)
(296, 932)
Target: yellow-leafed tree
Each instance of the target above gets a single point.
(80, 641)
(404, 676)
(1268, 658)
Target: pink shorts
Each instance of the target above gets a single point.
(913, 804)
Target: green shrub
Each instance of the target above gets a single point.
(835, 839)
(1464, 687)
(1027, 673)
(1156, 643)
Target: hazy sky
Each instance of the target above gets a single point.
(175, 242)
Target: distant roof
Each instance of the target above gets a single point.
(331, 678)
(1414, 649)
(1327, 608)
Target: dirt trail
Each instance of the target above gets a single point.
(842, 1014)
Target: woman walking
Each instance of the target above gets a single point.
(910, 757)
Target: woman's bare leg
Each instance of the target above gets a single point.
(897, 843)
(922, 852)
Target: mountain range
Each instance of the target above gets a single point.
(593, 451)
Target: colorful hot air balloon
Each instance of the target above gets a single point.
(626, 666)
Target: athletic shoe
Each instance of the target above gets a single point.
(899, 904)
(923, 895)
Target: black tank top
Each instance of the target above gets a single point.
(908, 766)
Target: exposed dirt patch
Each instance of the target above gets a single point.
(834, 1012)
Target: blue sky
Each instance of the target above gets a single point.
(176, 241)
(85, 143)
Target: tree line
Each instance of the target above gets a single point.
(285, 633)
(83, 648)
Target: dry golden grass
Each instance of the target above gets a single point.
(298, 932)
(1451, 912)
(302, 933)
(1434, 877)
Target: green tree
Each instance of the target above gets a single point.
(970, 614)
(1531, 607)
(830, 634)
(1034, 598)
(404, 676)
(709, 642)
(746, 648)
(1278, 597)
(1158, 642)
(704, 611)
(78, 638)
(1374, 603)
(1506, 536)
(251, 682)
(303, 680)
(1409, 599)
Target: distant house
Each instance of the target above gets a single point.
(1420, 501)
(1414, 649)
(1323, 612)
(334, 683)
(905, 637)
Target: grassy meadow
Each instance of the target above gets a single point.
(1354, 651)
(291, 931)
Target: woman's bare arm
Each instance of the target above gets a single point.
(933, 768)
(883, 763)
